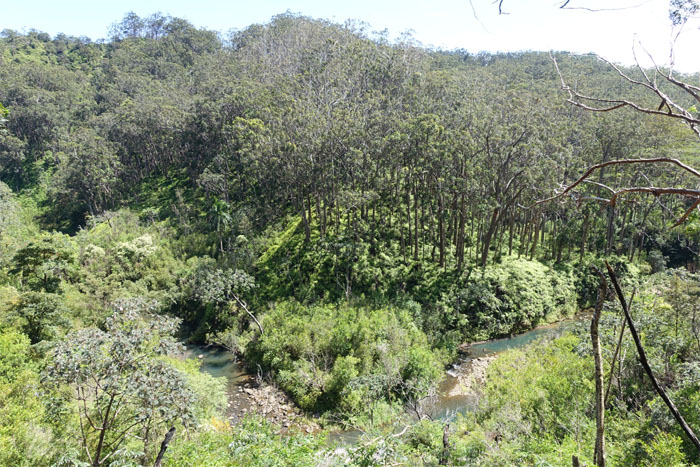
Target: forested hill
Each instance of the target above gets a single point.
(373, 203)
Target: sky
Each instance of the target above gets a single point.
(472, 25)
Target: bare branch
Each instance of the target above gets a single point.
(684, 217)
(500, 8)
(599, 104)
(595, 10)
(245, 307)
(657, 191)
(600, 185)
(471, 3)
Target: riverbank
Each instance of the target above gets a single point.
(247, 394)
(267, 401)
(458, 392)
(469, 376)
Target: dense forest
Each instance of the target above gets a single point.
(343, 213)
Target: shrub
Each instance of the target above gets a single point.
(328, 356)
(511, 297)
(253, 442)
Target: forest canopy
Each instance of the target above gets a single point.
(341, 212)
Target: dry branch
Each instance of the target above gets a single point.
(599, 104)
(645, 363)
(243, 305)
(615, 194)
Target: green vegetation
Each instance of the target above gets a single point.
(340, 358)
(341, 213)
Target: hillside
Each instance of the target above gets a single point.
(341, 213)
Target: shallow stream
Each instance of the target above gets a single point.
(221, 363)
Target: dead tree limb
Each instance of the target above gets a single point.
(645, 363)
(163, 446)
(593, 168)
(243, 305)
(616, 194)
(599, 453)
(668, 107)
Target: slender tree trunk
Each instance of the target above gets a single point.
(445, 457)
(511, 233)
(415, 222)
(308, 205)
(164, 446)
(460, 235)
(488, 237)
(611, 230)
(305, 221)
(584, 235)
(96, 462)
(408, 217)
(319, 215)
(599, 454)
(645, 363)
(617, 352)
(441, 230)
(534, 240)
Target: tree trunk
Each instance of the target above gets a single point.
(611, 230)
(645, 363)
(96, 462)
(489, 235)
(460, 235)
(305, 221)
(441, 230)
(415, 222)
(445, 457)
(584, 235)
(534, 240)
(163, 446)
(599, 453)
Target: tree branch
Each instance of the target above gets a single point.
(645, 363)
(245, 307)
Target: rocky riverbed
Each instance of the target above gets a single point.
(470, 375)
(269, 402)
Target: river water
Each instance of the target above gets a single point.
(447, 405)
(221, 363)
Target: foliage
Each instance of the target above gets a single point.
(120, 386)
(331, 357)
(44, 263)
(373, 202)
(25, 440)
(39, 315)
(510, 297)
(253, 442)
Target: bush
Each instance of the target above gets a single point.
(510, 297)
(24, 439)
(253, 442)
(329, 357)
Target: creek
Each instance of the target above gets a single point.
(221, 363)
